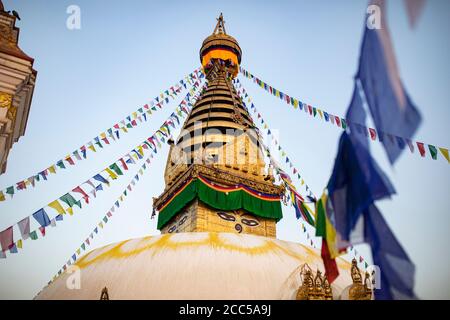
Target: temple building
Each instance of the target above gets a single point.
(17, 80)
(217, 215)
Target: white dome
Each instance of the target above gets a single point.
(194, 266)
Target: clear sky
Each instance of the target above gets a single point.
(127, 52)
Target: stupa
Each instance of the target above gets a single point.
(217, 215)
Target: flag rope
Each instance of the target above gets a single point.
(246, 98)
(370, 133)
(287, 182)
(102, 223)
(281, 150)
(97, 143)
(113, 171)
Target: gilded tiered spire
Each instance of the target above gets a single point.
(217, 156)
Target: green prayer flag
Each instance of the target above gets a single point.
(116, 169)
(10, 190)
(60, 164)
(433, 151)
(70, 200)
(33, 235)
(99, 144)
(320, 220)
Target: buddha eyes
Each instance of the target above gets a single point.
(183, 220)
(226, 216)
(250, 222)
(231, 217)
(172, 229)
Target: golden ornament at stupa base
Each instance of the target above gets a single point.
(17, 81)
(217, 215)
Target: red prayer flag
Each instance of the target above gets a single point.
(338, 121)
(6, 238)
(373, 134)
(21, 185)
(70, 161)
(421, 148)
(124, 164)
(331, 270)
(85, 195)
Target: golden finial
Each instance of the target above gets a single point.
(220, 26)
(328, 292)
(104, 295)
(355, 273)
(358, 290)
(318, 283)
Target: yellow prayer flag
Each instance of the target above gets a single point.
(100, 225)
(111, 173)
(2, 196)
(70, 210)
(134, 115)
(295, 103)
(78, 251)
(444, 152)
(320, 113)
(52, 169)
(302, 182)
(91, 147)
(141, 151)
(19, 243)
(102, 135)
(57, 206)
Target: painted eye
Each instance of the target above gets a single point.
(172, 229)
(183, 220)
(226, 216)
(250, 222)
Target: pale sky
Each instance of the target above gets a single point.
(127, 53)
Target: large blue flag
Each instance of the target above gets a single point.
(396, 269)
(355, 183)
(392, 110)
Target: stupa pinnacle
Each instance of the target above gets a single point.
(215, 173)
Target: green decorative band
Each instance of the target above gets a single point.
(220, 198)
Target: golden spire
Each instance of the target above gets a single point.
(220, 26)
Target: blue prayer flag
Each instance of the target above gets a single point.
(42, 217)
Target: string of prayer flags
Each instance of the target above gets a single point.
(104, 220)
(70, 200)
(388, 139)
(282, 152)
(193, 79)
